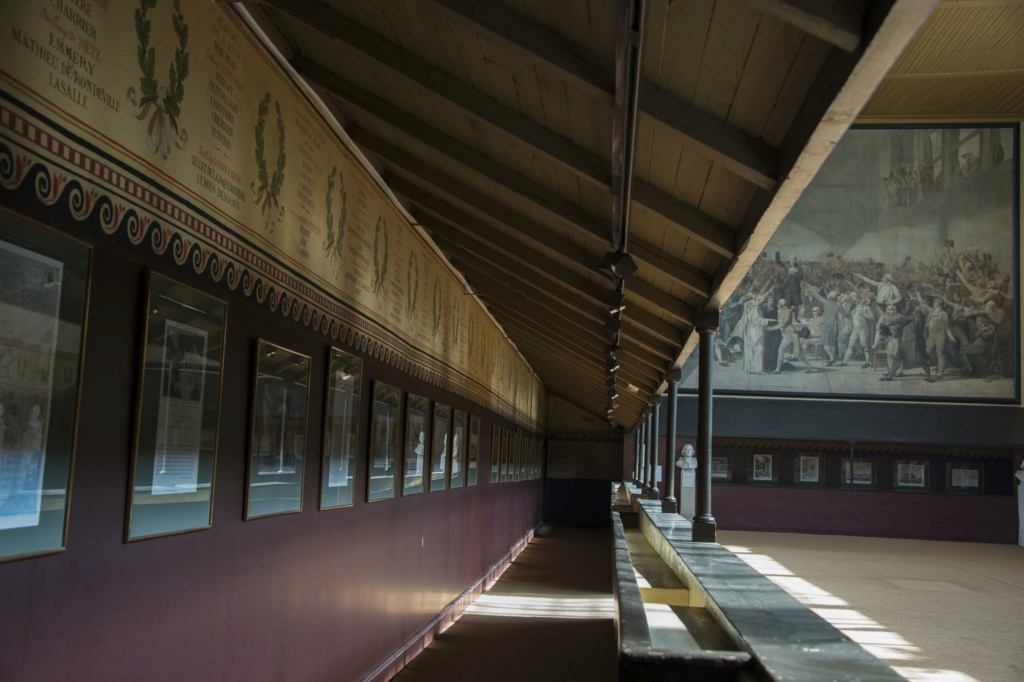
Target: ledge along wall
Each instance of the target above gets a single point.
(314, 595)
(992, 434)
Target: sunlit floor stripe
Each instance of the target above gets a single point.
(542, 607)
(874, 637)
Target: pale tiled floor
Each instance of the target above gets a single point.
(935, 611)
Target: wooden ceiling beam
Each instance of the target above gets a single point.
(636, 288)
(655, 326)
(528, 290)
(707, 231)
(690, 278)
(577, 66)
(570, 324)
(554, 365)
(594, 356)
(584, 164)
(567, 331)
(837, 22)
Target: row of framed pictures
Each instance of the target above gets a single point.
(807, 470)
(430, 449)
(415, 445)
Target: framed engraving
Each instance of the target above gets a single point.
(458, 449)
(762, 469)
(721, 468)
(858, 473)
(277, 441)
(175, 454)
(439, 450)
(44, 284)
(384, 439)
(911, 474)
(808, 469)
(417, 435)
(341, 430)
(965, 477)
(506, 451)
(473, 451)
(495, 457)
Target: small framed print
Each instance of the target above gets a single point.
(858, 473)
(911, 474)
(277, 440)
(341, 430)
(175, 454)
(506, 451)
(721, 468)
(965, 477)
(44, 290)
(473, 451)
(762, 469)
(384, 440)
(495, 458)
(439, 450)
(417, 430)
(808, 469)
(458, 449)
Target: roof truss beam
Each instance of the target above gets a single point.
(707, 135)
(584, 164)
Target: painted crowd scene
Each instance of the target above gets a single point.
(894, 275)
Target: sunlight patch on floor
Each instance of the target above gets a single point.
(542, 607)
(874, 637)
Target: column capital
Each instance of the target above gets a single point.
(675, 376)
(656, 400)
(706, 321)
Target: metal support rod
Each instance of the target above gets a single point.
(669, 504)
(642, 456)
(704, 527)
(636, 454)
(649, 474)
(655, 493)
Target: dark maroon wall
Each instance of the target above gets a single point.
(876, 513)
(318, 595)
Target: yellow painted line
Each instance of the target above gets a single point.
(660, 595)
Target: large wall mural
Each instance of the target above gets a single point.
(167, 123)
(894, 276)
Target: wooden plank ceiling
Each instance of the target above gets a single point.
(495, 124)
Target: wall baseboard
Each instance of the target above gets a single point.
(447, 617)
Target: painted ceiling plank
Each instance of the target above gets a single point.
(837, 22)
(580, 68)
(711, 233)
(586, 165)
(646, 252)
(567, 320)
(594, 339)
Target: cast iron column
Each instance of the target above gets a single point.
(655, 443)
(636, 454)
(649, 473)
(669, 504)
(643, 458)
(704, 526)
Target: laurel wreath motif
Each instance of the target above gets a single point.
(335, 238)
(267, 190)
(437, 306)
(165, 100)
(455, 319)
(412, 286)
(380, 265)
